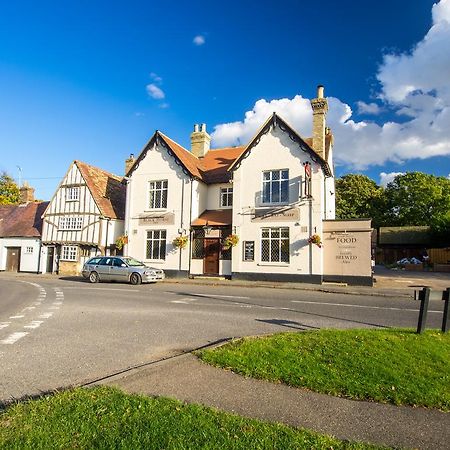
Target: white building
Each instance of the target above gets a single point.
(271, 195)
(20, 234)
(84, 218)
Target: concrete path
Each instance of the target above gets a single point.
(188, 379)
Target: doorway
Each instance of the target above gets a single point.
(12, 259)
(211, 256)
(50, 259)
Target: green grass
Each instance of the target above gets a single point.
(389, 366)
(106, 418)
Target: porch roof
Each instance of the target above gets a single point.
(214, 217)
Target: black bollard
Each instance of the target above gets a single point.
(424, 297)
(445, 297)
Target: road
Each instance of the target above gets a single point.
(55, 333)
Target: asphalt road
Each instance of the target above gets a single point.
(55, 333)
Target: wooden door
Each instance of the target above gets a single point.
(211, 256)
(12, 259)
(50, 259)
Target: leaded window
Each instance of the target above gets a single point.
(158, 194)
(69, 253)
(226, 196)
(275, 244)
(156, 244)
(275, 186)
(72, 194)
(70, 223)
(198, 244)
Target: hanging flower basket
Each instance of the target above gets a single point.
(180, 242)
(230, 241)
(315, 239)
(121, 241)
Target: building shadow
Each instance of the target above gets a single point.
(288, 324)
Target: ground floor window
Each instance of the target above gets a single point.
(156, 244)
(275, 244)
(69, 253)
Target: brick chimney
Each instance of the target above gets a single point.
(26, 193)
(320, 108)
(200, 141)
(129, 163)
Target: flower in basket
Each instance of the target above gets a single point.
(315, 239)
(180, 242)
(121, 241)
(230, 241)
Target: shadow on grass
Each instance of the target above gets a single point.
(288, 324)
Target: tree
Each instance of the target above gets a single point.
(357, 197)
(9, 191)
(417, 198)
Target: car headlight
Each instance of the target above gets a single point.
(150, 272)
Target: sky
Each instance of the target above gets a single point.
(93, 80)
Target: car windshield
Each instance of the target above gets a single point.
(133, 262)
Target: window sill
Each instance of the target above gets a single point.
(155, 261)
(271, 205)
(273, 264)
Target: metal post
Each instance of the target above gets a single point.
(445, 321)
(424, 297)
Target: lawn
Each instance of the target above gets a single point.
(106, 418)
(389, 366)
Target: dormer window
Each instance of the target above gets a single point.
(158, 194)
(72, 194)
(275, 186)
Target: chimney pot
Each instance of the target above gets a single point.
(320, 89)
(196, 128)
(203, 127)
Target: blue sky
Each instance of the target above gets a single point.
(93, 80)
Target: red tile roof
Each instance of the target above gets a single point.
(22, 220)
(107, 190)
(214, 217)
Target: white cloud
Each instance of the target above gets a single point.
(156, 78)
(199, 40)
(386, 178)
(414, 85)
(155, 92)
(369, 108)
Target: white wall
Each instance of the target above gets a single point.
(213, 199)
(28, 261)
(277, 151)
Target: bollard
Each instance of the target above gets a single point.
(445, 297)
(424, 297)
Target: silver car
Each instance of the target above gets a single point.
(120, 268)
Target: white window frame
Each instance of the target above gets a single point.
(69, 253)
(271, 181)
(153, 190)
(72, 194)
(226, 197)
(280, 240)
(151, 237)
(70, 223)
(29, 250)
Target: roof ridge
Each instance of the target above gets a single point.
(118, 177)
(179, 145)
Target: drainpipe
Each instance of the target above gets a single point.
(39, 257)
(190, 231)
(181, 221)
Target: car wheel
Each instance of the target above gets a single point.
(135, 279)
(93, 277)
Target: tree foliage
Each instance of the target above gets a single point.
(9, 191)
(357, 196)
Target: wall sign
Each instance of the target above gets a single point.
(249, 251)
(157, 219)
(276, 215)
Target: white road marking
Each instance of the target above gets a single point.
(105, 289)
(17, 317)
(57, 303)
(362, 306)
(54, 308)
(28, 308)
(220, 296)
(4, 325)
(180, 301)
(46, 315)
(13, 338)
(34, 324)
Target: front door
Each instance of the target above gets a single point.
(50, 259)
(12, 259)
(211, 256)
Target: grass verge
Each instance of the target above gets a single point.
(105, 418)
(389, 366)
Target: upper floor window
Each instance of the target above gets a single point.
(72, 194)
(158, 194)
(70, 223)
(275, 187)
(226, 196)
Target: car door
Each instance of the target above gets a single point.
(103, 268)
(118, 270)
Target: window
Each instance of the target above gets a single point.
(275, 245)
(226, 196)
(156, 244)
(275, 187)
(249, 251)
(29, 250)
(158, 194)
(69, 253)
(70, 223)
(198, 243)
(72, 194)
